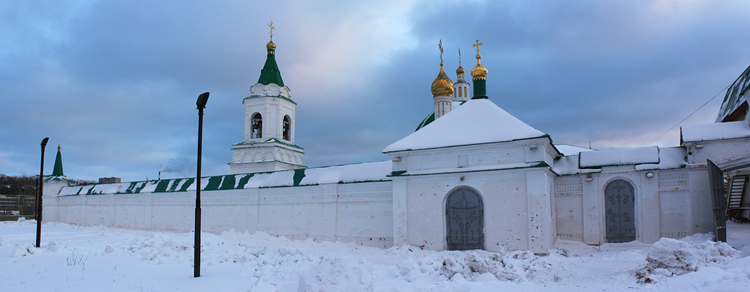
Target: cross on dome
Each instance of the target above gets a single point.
(479, 72)
(440, 45)
(271, 46)
(270, 25)
(459, 57)
(477, 46)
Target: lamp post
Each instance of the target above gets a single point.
(201, 103)
(39, 197)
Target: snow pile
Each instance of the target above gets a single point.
(671, 257)
(462, 266)
(745, 251)
(336, 274)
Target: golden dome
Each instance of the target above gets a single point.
(479, 71)
(460, 70)
(442, 86)
(271, 46)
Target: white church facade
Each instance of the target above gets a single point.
(495, 184)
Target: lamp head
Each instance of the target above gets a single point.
(44, 142)
(202, 100)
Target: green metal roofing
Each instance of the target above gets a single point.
(365, 173)
(429, 119)
(58, 170)
(270, 72)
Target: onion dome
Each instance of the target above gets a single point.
(479, 71)
(271, 46)
(460, 70)
(442, 86)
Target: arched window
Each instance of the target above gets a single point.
(287, 129)
(257, 126)
(619, 198)
(464, 219)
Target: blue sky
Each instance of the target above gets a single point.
(115, 82)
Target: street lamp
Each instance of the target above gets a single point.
(39, 197)
(201, 103)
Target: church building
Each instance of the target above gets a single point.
(495, 183)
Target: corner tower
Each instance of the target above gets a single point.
(58, 169)
(269, 124)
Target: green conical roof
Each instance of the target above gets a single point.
(270, 72)
(58, 170)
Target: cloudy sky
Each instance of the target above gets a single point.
(115, 82)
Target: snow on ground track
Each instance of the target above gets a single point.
(76, 258)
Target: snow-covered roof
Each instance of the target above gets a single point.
(670, 157)
(348, 173)
(566, 165)
(716, 131)
(625, 156)
(642, 158)
(475, 122)
(568, 150)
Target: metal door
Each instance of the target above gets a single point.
(620, 211)
(464, 217)
(716, 180)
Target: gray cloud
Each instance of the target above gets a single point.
(115, 82)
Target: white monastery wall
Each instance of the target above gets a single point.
(512, 219)
(668, 203)
(354, 212)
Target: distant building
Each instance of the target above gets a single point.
(109, 180)
(734, 108)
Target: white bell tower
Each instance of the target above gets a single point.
(269, 124)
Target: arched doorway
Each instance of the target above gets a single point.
(620, 211)
(464, 219)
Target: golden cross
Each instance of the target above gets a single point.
(270, 24)
(459, 57)
(477, 45)
(440, 45)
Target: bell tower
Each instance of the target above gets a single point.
(269, 124)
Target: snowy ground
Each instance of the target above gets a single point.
(74, 258)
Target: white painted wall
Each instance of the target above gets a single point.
(354, 212)
(672, 203)
(516, 208)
